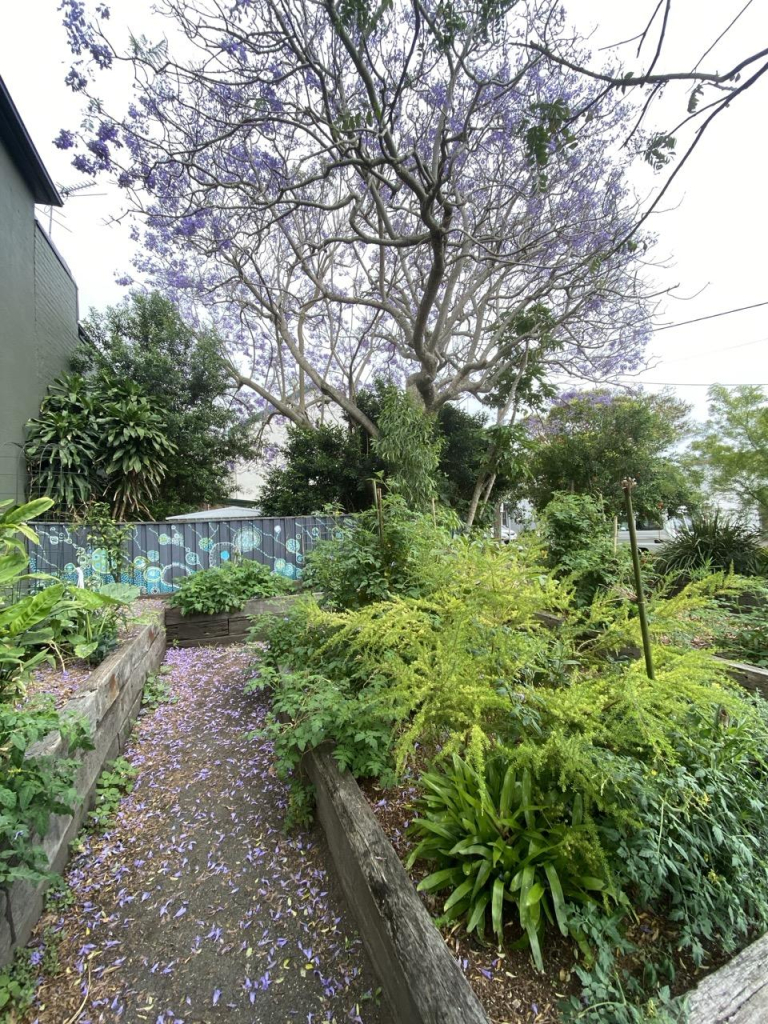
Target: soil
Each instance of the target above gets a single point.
(196, 906)
(64, 680)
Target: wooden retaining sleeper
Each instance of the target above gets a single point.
(110, 702)
(224, 627)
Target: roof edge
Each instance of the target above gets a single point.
(23, 152)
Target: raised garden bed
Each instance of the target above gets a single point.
(65, 681)
(423, 980)
(224, 627)
(109, 699)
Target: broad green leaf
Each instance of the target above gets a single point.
(438, 880)
(558, 900)
(477, 917)
(497, 904)
(458, 894)
(534, 894)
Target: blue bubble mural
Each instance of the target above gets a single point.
(157, 555)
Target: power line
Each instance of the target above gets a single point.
(712, 316)
(717, 351)
(684, 384)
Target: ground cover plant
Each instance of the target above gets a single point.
(33, 786)
(227, 588)
(564, 791)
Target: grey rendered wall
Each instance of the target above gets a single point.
(38, 320)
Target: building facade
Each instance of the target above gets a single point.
(38, 295)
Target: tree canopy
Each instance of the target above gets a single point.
(589, 441)
(734, 447)
(334, 464)
(350, 189)
(181, 373)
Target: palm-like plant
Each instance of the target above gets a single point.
(714, 541)
(134, 449)
(62, 443)
(96, 438)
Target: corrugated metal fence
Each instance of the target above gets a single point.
(157, 555)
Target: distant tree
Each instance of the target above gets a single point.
(187, 385)
(327, 465)
(734, 447)
(589, 441)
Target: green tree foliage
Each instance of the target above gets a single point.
(185, 380)
(577, 535)
(97, 438)
(327, 465)
(334, 464)
(408, 445)
(588, 442)
(734, 446)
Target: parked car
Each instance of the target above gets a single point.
(649, 535)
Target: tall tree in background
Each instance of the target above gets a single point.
(186, 383)
(353, 188)
(589, 441)
(334, 464)
(734, 447)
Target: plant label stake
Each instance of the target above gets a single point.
(627, 485)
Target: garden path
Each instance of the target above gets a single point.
(196, 905)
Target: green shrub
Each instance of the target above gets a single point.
(714, 542)
(57, 620)
(114, 783)
(402, 553)
(577, 535)
(655, 789)
(33, 788)
(227, 589)
(308, 710)
(498, 845)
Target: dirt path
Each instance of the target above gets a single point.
(196, 906)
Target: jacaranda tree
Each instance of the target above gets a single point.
(349, 187)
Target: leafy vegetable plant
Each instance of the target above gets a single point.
(33, 787)
(227, 589)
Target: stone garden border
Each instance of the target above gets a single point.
(109, 701)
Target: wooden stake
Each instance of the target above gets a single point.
(628, 485)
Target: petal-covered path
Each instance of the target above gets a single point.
(197, 906)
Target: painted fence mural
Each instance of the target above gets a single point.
(157, 555)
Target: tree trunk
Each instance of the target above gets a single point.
(479, 484)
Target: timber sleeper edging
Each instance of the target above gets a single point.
(109, 702)
(419, 976)
(224, 627)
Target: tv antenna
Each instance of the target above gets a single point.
(78, 191)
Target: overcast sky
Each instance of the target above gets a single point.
(712, 235)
